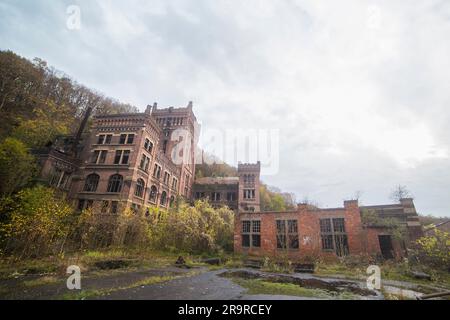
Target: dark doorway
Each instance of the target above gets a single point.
(386, 246)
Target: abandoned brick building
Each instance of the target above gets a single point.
(240, 193)
(127, 160)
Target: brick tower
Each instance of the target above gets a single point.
(249, 187)
(179, 125)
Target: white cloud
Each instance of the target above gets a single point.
(359, 89)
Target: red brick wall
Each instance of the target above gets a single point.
(353, 227)
(310, 244)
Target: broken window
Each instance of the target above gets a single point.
(115, 183)
(122, 157)
(139, 190)
(287, 234)
(91, 183)
(231, 196)
(249, 193)
(126, 139)
(101, 139)
(215, 196)
(157, 171)
(251, 233)
(199, 195)
(153, 194)
(334, 236)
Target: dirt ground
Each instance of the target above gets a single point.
(198, 283)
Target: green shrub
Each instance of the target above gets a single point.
(434, 250)
(38, 223)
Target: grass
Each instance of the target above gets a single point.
(258, 286)
(92, 293)
(389, 271)
(45, 280)
(138, 258)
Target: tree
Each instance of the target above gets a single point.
(198, 228)
(434, 250)
(47, 124)
(17, 166)
(274, 200)
(400, 192)
(33, 91)
(38, 223)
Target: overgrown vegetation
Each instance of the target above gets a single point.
(434, 250)
(37, 222)
(37, 104)
(396, 228)
(273, 199)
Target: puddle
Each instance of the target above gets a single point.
(112, 264)
(337, 287)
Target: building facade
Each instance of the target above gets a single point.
(126, 160)
(310, 232)
(141, 160)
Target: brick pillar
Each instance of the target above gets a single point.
(353, 227)
(309, 232)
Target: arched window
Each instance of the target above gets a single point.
(172, 200)
(115, 183)
(163, 198)
(91, 183)
(139, 191)
(153, 194)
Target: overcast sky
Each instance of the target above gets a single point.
(360, 90)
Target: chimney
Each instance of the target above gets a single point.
(80, 131)
(190, 105)
(155, 107)
(148, 110)
(351, 203)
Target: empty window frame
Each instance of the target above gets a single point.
(251, 233)
(91, 183)
(199, 195)
(287, 234)
(115, 183)
(334, 236)
(148, 145)
(166, 178)
(249, 193)
(215, 196)
(153, 194)
(157, 171)
(163, 200)
(126, 138)
(104, 139)
(99, 156)
(145, 162)
(140, 186)
(101, 139)
(122, 157)
(174, 183)
(231, 196)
